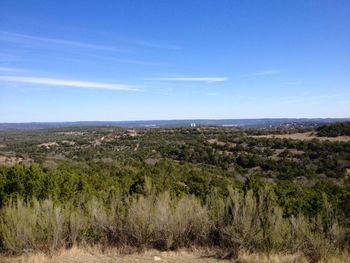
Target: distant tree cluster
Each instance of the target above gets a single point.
(334, 129)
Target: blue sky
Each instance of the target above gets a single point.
(137, 60)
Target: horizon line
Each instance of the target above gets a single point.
(185, 119)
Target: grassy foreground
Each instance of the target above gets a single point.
(95, 254)
(242, 222)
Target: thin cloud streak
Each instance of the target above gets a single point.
(15, 70)
(203, 79)
(263, 73)
(153, 44)
(130, 61)
(8, 57)
(28, 39)
(69, 83)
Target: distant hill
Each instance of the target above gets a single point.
(175, 123)
(334, 129)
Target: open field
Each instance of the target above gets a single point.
(304, 136)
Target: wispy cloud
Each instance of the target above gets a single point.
(203, 79)
(15, 70)
(263, 73)
(68, 83)
(129, 61)
(156, 45)
(8, 57)
(29, 39)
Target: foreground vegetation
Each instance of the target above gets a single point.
(192, 255)
(219, 188)
(241, 221)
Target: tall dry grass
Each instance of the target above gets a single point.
(96, 254)
(32, 226)
(255, 222)
(244, 221)
(168, 223)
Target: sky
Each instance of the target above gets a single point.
(87, 60)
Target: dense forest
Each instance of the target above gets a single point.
(226, 187)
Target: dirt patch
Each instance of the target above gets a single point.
(295, 151)
(75, 133)
(151, 161)
(220, 143)
(48, 145)
(9, 161)
(68, 143)
(131, 133)
(12, 160)
(276, 154)
(215, 141)
(304, 137)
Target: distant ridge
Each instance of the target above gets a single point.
(265, 122)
